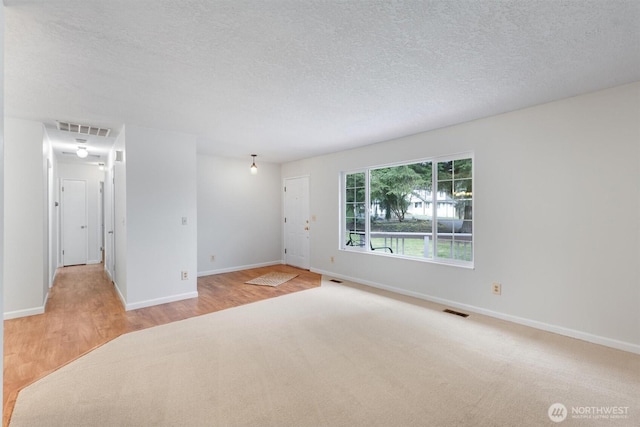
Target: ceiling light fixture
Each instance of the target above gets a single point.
(254, 168)
(82, 152)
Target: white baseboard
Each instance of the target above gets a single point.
(584, 336)
(25, 312)
(94, 261)
(238, 268)
(53, 278)
(158, 301)
(122, 300)
(108, 274)
(151, 302)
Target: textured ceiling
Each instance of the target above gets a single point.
(292, 79)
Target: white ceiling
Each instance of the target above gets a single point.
(289, 79)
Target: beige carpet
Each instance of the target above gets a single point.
(335, 356)
(273, 278)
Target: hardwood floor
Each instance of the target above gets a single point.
(84, 312)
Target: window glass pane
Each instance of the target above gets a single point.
(454, 211)
(350, 211)
(445, 170)
(465, 228)
(462, 250)
(445, 227)
(462, 168)
(445, 247)
(400, 222)
(463, 189)
(350, 195)
(464, 209)
(349, 181)
(445, 190)
(354, 180)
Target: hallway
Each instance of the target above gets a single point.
(84, 312)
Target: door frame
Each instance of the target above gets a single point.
(110, 225)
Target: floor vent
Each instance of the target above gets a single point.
(335, 280)
(457, 313)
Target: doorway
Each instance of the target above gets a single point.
(74, 222)
(296, 225)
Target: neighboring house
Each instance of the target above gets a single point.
(422, 206)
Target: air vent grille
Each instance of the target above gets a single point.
(457, 313)
(335, 281)
(83, 129)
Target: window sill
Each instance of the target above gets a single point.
(438, 261)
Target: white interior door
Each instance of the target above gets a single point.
(74, 222)
(296, 226)
(110, 254)
(101, 213)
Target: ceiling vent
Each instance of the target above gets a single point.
(83, 129)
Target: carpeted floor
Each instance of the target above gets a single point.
(335, 356)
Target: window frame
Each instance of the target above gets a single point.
(434, 258)
(343, 217)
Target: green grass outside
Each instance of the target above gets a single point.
(415, 248)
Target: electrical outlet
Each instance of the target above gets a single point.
(213, 258)
(185, 221)
(332, 260)
(185, 275)
(496, 288)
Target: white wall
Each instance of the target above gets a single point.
(93, 176)
(160, 191)
(1, 185)
(46, 165)
(566, 263)
(119, 176)
(239, 215)
(25, 271)
(109, 218)
(52, 209)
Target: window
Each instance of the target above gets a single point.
(355, 208)
(421, 210)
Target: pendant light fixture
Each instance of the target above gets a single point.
(82, 152)
(254, 168)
